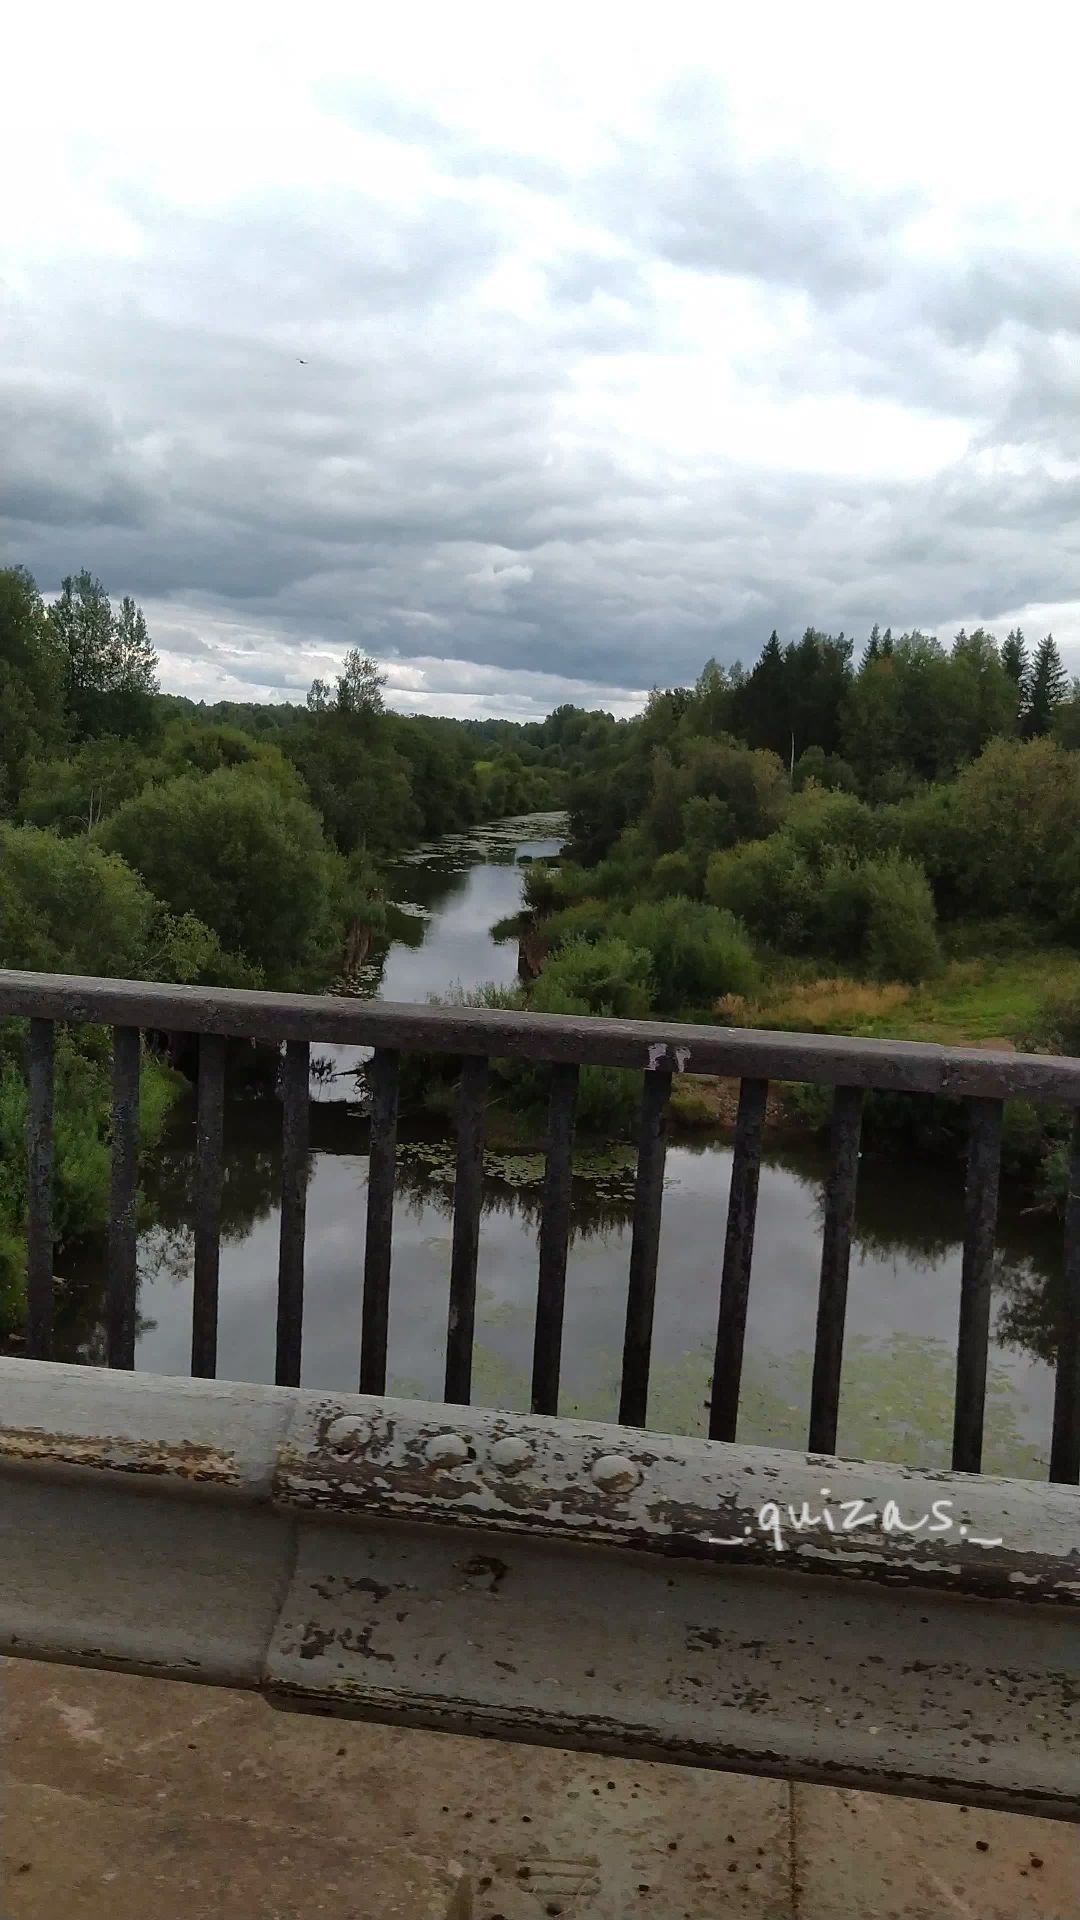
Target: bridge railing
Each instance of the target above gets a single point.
(982, 1080)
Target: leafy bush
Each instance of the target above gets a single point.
(676, 873)
(248, 860)
(1056, 1028)
(587, 920)
(67, 906)
(697, 953)
(900, 941)
(770, 887)
(824, 825)
(607, 977)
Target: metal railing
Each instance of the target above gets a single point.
(983, 1080)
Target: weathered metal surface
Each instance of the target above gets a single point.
(218, 1435)
(679, 1498)
(644, 1246)
(976, 1281)
(382, 1079)
(39, 1154)
(738, 1256)
(124, 1199)
(295, 1123)
(1065, 1444)
(739, 1053)
(468, 1206)
(210, 1122)
(785, 1675)
(546, 1581)
(554, 1239)
(835, 1262)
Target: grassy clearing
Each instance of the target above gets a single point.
(970, 1003)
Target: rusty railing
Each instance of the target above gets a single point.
(983, 1081)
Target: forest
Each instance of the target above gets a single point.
(145, 836)
(884, 843)
(885, 846)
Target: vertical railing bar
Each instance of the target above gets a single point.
(840, 1189)
(209, 1165)
(468, 1196)
(738, 1254)
(554, 1238)
(123, 1272)
(1065, 1444)
(382, 1080)
(976, 1278)
(644, 1247)
(39, 1236)
(295, 1121)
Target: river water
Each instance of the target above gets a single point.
(905, 1274)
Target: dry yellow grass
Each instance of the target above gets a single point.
(835, 1003)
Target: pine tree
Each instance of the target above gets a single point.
(873, 645)
(1049, 685)
(1014, 659)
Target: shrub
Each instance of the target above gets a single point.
(676, 873)
(823, 825)
(247, 859)
(901, 940)
(67, 906)
(1056, 1028)
(769, 886)
(607, 977)
(697, 952)
(588, 920)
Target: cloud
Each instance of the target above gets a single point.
(573, 386)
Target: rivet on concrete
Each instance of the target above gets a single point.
(615, 1474)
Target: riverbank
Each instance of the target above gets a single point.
(995, 1004)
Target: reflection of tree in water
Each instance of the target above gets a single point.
(1028, 1312)
(251, 1181)
(915, 1212)
(593, 1211)
(250, 1189)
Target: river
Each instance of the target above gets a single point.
(896, 1401)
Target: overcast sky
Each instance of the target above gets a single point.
(627, 333)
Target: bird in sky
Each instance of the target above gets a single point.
(303, 363)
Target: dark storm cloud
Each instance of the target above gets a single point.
(425, 484)
(63, 463)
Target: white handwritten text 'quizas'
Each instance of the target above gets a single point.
(848, 1515)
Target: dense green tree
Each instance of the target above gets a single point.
(1067, 718)
(31, 683)
(1048, 687)
(761, 709)
(246, 859)
(984, 695)
(76, 791)
(109, 665)
(68, 906)
(1014, 659)
(872, 722)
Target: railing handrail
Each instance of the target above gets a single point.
(906, 1066)
(658, 1051)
